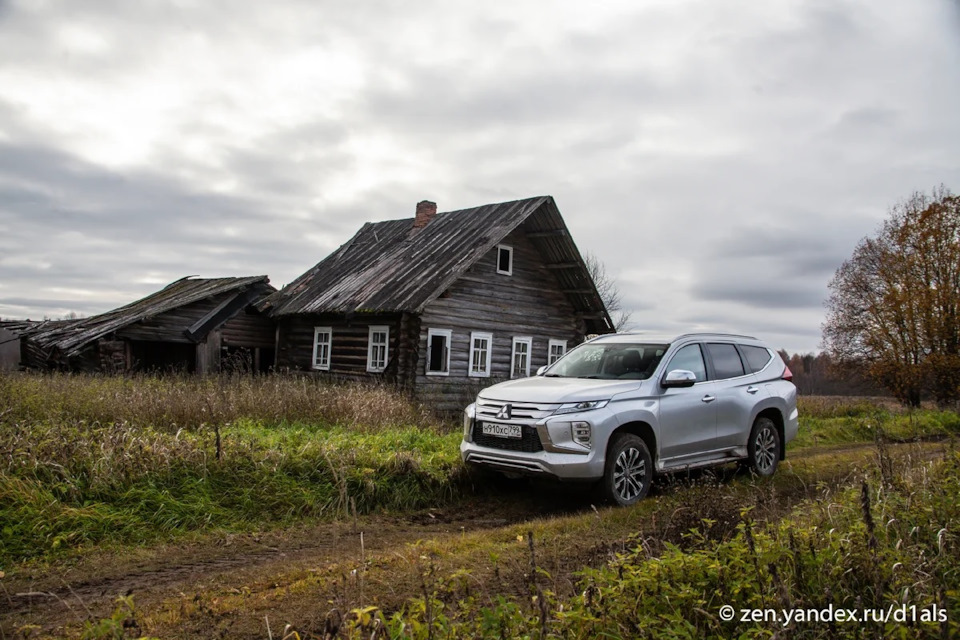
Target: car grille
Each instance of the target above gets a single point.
(488, 410)
(529, 442)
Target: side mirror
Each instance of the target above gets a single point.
(679, 378)
(541, 370)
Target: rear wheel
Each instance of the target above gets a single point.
(628, 471)
(764, 447)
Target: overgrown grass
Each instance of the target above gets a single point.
(485, 564)
(64, 486)
(86, 460)
(90, 459)
(88, 484)
(847, 406)
(171, 402)
(884, 546)
(829, 421)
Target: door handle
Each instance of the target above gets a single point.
(709, 398)
(752, 389)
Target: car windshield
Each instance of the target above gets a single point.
(609, 361)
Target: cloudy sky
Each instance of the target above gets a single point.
(721, 157)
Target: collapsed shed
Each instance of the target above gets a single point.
(194, 325)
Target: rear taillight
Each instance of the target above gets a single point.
(787, 374)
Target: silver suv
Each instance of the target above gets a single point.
(620, 408)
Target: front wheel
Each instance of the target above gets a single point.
(628, 470)
(764, 447)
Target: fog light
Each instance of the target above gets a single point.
(582, 433)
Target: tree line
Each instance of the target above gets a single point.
(818, 374)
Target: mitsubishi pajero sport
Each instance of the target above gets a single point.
(620, 408)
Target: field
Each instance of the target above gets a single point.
(280, 507)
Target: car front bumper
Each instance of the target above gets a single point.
(560, 458)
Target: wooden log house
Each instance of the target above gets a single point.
(442, 304)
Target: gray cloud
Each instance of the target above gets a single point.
(722, 161)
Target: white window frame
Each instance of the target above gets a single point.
(317, 332)
(474, 336)
(448, 334)
(509, 250)
(513, 357)
(374, 329)
(555, 343)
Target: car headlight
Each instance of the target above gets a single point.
(576, 407)
(469, 414)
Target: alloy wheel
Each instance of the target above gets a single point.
(765, 449)
(629, 474)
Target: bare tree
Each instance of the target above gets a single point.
(894, 306)
(609, 292)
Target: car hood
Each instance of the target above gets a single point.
(545, 390)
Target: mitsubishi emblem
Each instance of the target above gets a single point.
(504, 413)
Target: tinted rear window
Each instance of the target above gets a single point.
(757, 357)
(726, 360)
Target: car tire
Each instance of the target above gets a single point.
(763, 447)
(628, 470)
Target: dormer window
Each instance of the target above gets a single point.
(505, 260)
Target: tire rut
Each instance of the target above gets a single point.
(62, 597)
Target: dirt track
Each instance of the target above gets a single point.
(88, 588)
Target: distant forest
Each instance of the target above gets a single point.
(817, 375)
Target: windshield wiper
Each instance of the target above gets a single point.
(589, 377)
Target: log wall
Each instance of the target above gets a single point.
(528, 303)
(348, 348)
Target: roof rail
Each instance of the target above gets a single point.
(716, 333)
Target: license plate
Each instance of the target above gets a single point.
(502, 430)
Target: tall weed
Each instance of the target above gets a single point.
(174, 402)
(877, 548)
(62, 486)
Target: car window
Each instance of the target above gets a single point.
(756, 357)
(726, 360)
(689, 358)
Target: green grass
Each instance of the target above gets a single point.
(863, 423)
(885, 542)
(85, 484)
(87, 460)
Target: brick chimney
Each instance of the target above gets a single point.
(426, 211)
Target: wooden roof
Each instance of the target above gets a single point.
(386, 268)
(69, 337)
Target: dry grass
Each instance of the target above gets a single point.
(86, 460)
(174, 402)
(847, 406)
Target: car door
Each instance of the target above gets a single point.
(688, 416)
(736, 391)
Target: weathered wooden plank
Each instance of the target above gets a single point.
(249, 329)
